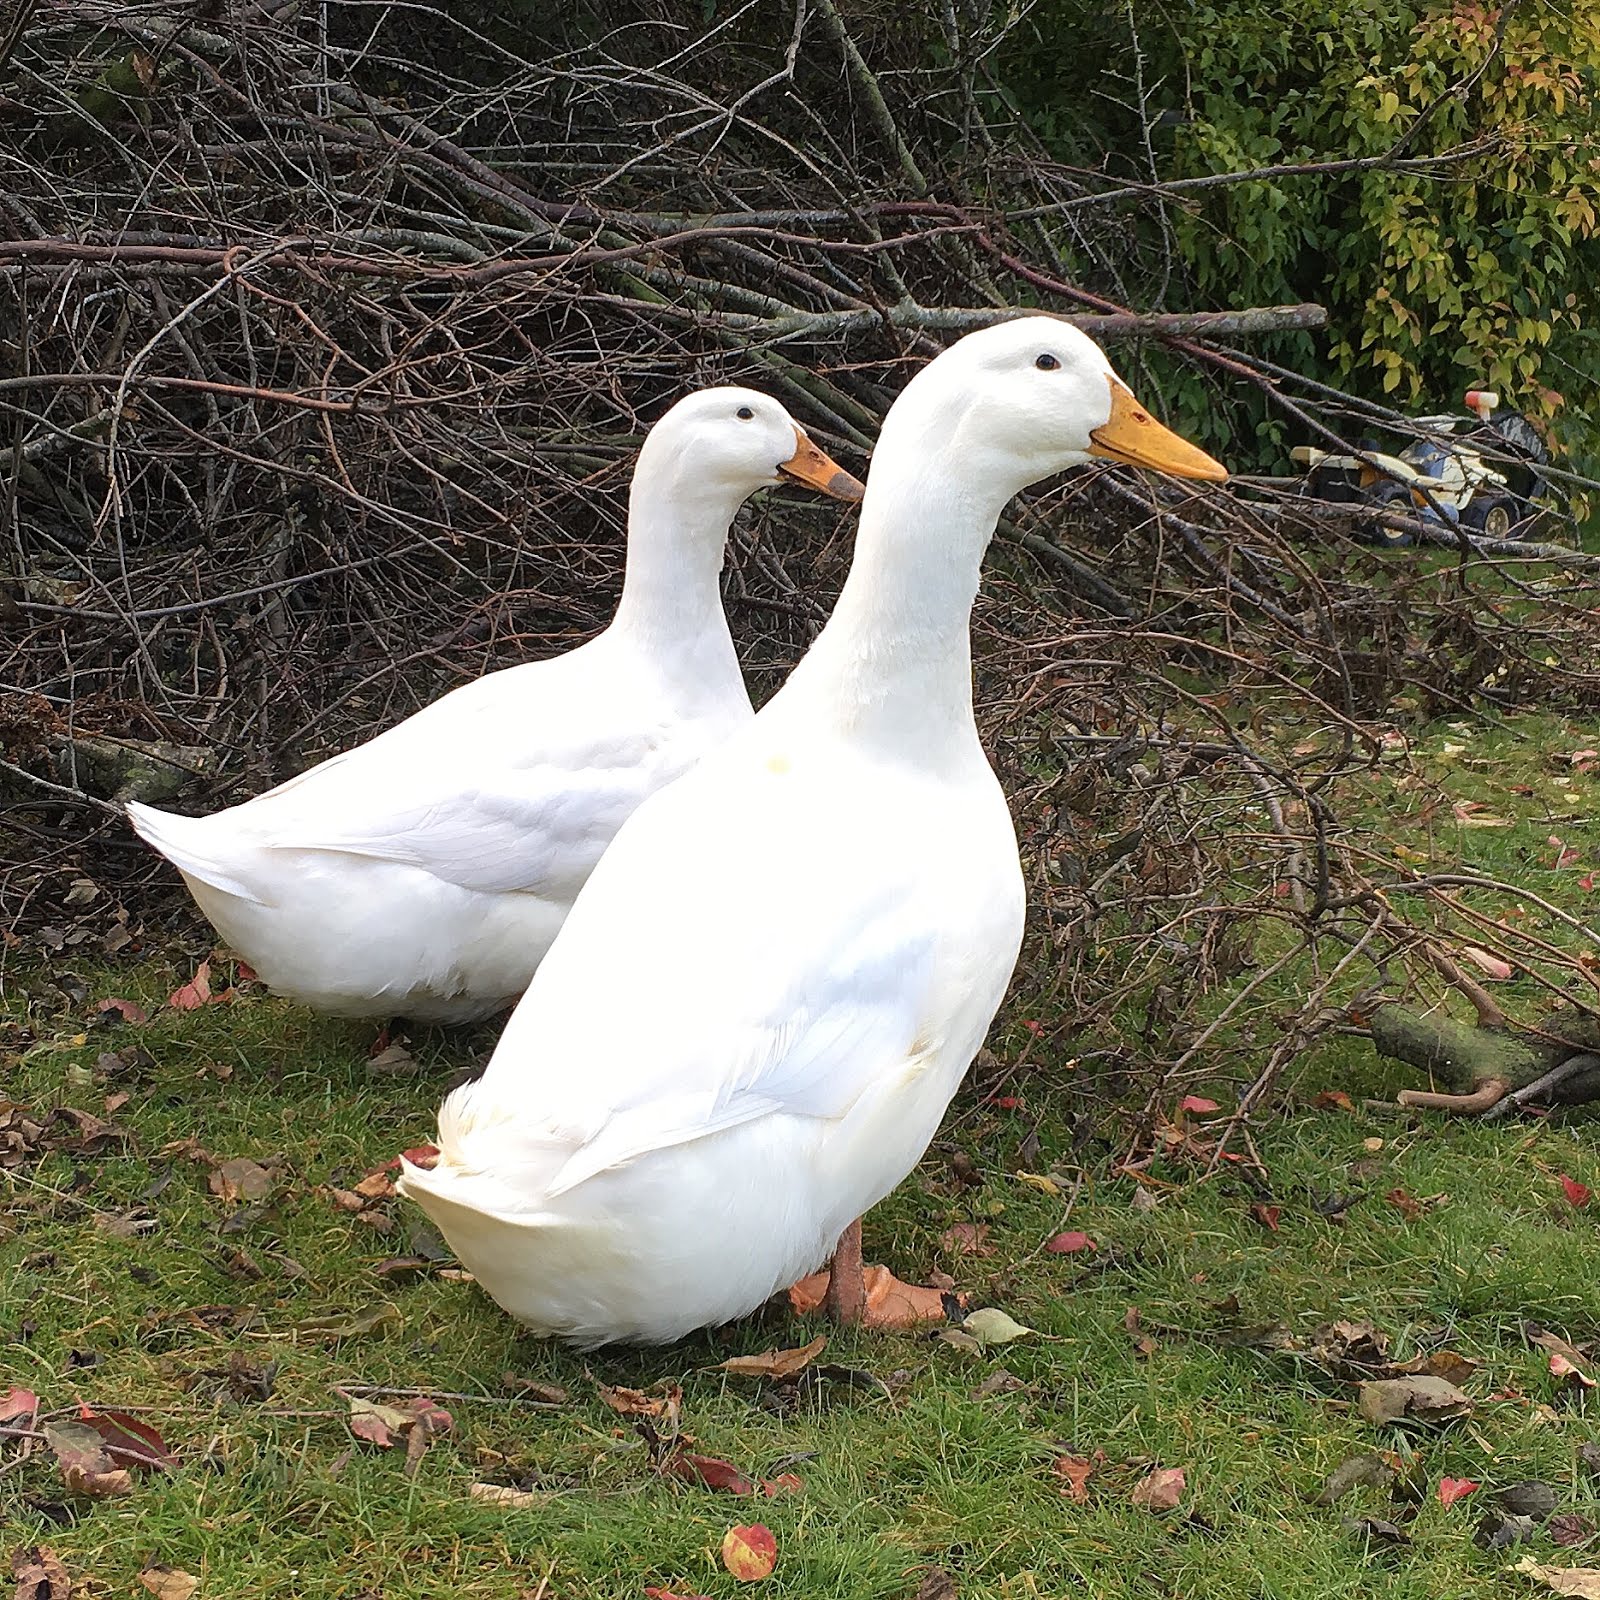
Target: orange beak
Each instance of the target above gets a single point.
(1132, 436)
(816, 467)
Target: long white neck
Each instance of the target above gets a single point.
(677, 533)
(893, 666)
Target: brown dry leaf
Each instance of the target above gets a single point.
(39, 1574)
(1420, 1397)
(1368, 1469)
(1074, 1471)
(776, 1364)
(377, 1185)
(937, 1584)
(1161, 1490)
(496, 1494)
(354, 1325)
(240, 1179)
(1447, 1364)
(1583, 1583)
(86, 1465)
(167, 1583)
(636, 1403)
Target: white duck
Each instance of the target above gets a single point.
(770, 988)
(425, 872)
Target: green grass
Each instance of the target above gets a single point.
(274, 1497)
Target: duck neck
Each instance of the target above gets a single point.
(677, 536)
(894, 663)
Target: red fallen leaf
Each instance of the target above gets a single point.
(1577, 1193)
(1453, 1489)
(1586, 882)
(1069, 1244)
(128, 1010)
(243, 972)
(19, 1406)
(195, 993)
(1333, 1100)
(1075, 1471)
(653, 1593)
(713, 1472)
(1006, 1102)
(1563, 1367)
(128, 1441)
(967, 1238)
(1566, 855)
(1405, 1203)
(1490, 966)
(1266, 1215)
(1035, 1028)
(750, 1552)
(784, 1483)
(1195, 1102)
(425, 1156)
(1160, 1491)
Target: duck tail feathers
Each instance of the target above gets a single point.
(178, 839)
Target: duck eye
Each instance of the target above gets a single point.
(1047, 362)
(745, 413)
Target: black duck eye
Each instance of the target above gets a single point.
(745, 413)
(1047, 362)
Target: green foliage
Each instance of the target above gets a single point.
(1474, 269)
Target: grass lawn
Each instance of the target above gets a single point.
(136, 1274)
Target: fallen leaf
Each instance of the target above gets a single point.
(1563, 1367)
(1266, 1215)
(653, 1593)
(1531, 1499)
(1333, 1100)
(240, 1179)
(776, 1364)
(19, 1407)
(967, 1238)
(1420, 1397)
(1582, 1583)
(784, 1483)
(991, 1325)
(1376, 1528)
(195, 993)
(1470, 814)
(1577, 1193)
(1074, 1471)
(128, 1010)
(1405, 1203)
(635, 1403)
(713, 1472)
(1069, 1244)
(167, 1583)
(39, 1574)
(1198, 1103)
(1499, 1531)
(496, 1494)
(937, 1584)
(750, 1552)
(86, 1465)
(1037, 1180)
(389, 1425)
(354, 1324)
(1365, 1470)
(1160, 1490)
(1490, 966)
(1446, 1364)
(1570, 1528)
(1453, 1489)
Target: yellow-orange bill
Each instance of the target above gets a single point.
(815, 466)
(1131, 435)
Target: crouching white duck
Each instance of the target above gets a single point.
(425, 872)
(771, 986)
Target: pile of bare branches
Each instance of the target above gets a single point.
(329, 332)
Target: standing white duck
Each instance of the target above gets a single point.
(771, 986)
(426, 872)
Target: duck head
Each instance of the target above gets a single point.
(729, 442)
(1028, 398)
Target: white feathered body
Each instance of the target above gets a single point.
(745, 1037)
(426, 872)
